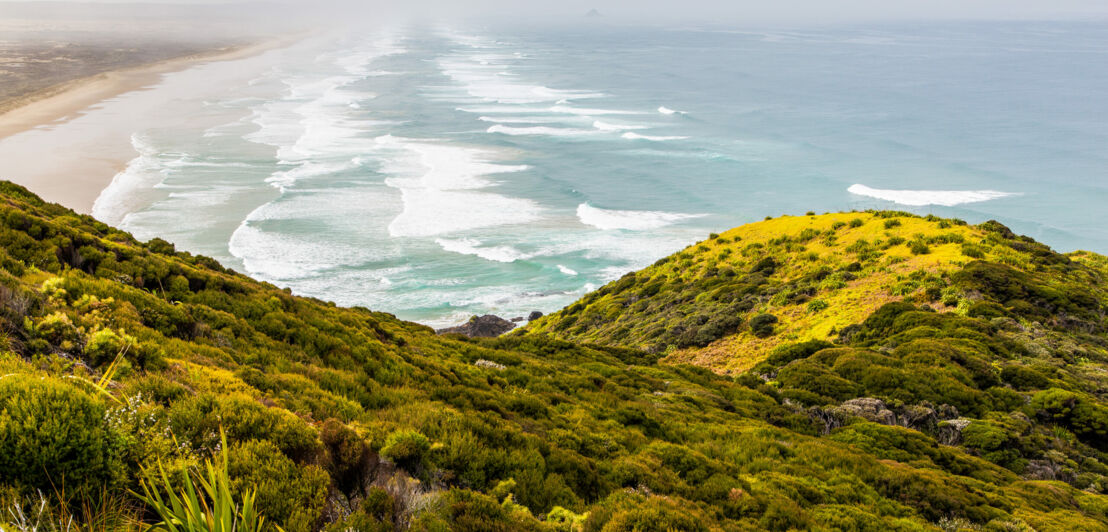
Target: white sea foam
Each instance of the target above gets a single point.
(483, 70)
(312, 127)
(187, 161)
(270, 250)
(667, 111)
(653, 138)
(611, 273)
(568, 271)
(946, 198)
(228, 128)
(532, 119)
(439, 185)
(284, 179)
(316, 134)
(142, 173)
(590, 111)
(540, 130)
(470, 246)
(605, 126)
(608, 219)
(503, 109)
(356, 61)
(485, 81)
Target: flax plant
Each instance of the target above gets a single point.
(203, 502)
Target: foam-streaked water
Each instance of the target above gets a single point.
(437, 173)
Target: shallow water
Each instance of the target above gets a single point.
(441, 172)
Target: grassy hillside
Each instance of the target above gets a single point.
(815, 275)
(119, 357)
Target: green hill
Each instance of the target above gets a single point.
(817, 275)
(118, 356)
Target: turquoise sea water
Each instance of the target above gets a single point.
(439, 172)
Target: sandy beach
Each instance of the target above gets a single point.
(67, 100)
(78, 167)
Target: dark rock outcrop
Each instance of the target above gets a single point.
(950, 432)
(534, 315)
(487, 326)
(924, 417)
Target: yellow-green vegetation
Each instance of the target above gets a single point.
(124, 364)
(708, 304)
(204, 502)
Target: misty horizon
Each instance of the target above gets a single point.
(798, 12)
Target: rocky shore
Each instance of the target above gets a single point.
(487, 326)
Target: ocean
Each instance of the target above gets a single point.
(438, 172)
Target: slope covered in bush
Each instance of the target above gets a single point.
(727, 302)
(347, 419)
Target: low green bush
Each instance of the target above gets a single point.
(54, 435)
(287, 493)
(407, 448)
(762, 325)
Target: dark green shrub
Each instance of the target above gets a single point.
(626, 511)
(286, 493)
(817, 305)
(1005, 399)
(1077, 412)
(1024, 378)
(198, 419)
(59, 330)
(407, 448)
(785, 353)
(55, 435)
(104, 345)
(806, 397)
(156, 388)
(766, 266)
(891, 223)
(158, 245)
(361, 521)
(762, 325)
(347, 457)
(992, 441)
(972, 251)
(987, 310)
(806, 375)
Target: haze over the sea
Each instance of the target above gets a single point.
(441, 171)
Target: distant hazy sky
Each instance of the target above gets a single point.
(724, 11)
(790, 9)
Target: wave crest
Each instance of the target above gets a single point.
(630, 220)
(945, 198)
(654, 138)
(470, 246)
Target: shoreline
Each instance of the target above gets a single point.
(60, 103)
(77, 179)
